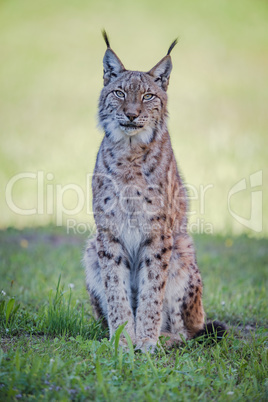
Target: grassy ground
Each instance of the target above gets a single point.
(51, 76)
(51, 348)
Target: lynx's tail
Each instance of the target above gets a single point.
(215, 330)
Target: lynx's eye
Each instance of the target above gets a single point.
(148, 97)
(119, 94)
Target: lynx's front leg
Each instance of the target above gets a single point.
(115, 275)
(152, 283)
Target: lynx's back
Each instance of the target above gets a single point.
(141, 266)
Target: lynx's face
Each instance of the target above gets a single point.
(133, 104)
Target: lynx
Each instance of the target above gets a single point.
(141, 266)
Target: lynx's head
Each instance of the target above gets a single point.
(132, 103)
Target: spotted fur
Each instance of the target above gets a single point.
(141, 265)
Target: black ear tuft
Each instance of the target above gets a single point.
(105, 37)
(173, 44)
(161, 71)
(112, 65)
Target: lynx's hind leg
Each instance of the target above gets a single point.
(172, 315)
(192, 310)
(193, 314)
(94, 281)
(183, 313)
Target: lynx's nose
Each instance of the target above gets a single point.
(132, 115)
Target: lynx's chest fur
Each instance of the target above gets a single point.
(141, 266)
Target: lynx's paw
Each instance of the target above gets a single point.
(169, 340)
(146, 345)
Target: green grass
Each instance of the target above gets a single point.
(52, 349)
(51, 77)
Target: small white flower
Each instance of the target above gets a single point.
(3, 292)
(230, 393)
(223, 303)
(51, 360)
(71, 285)
(7, 330)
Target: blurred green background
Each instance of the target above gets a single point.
(50, 79)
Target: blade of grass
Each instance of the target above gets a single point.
(100, 379)
(10, 306)
(152, 366)
(129, 342)
(117, 337)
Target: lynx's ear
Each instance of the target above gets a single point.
(112, 65)
(161, 72)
